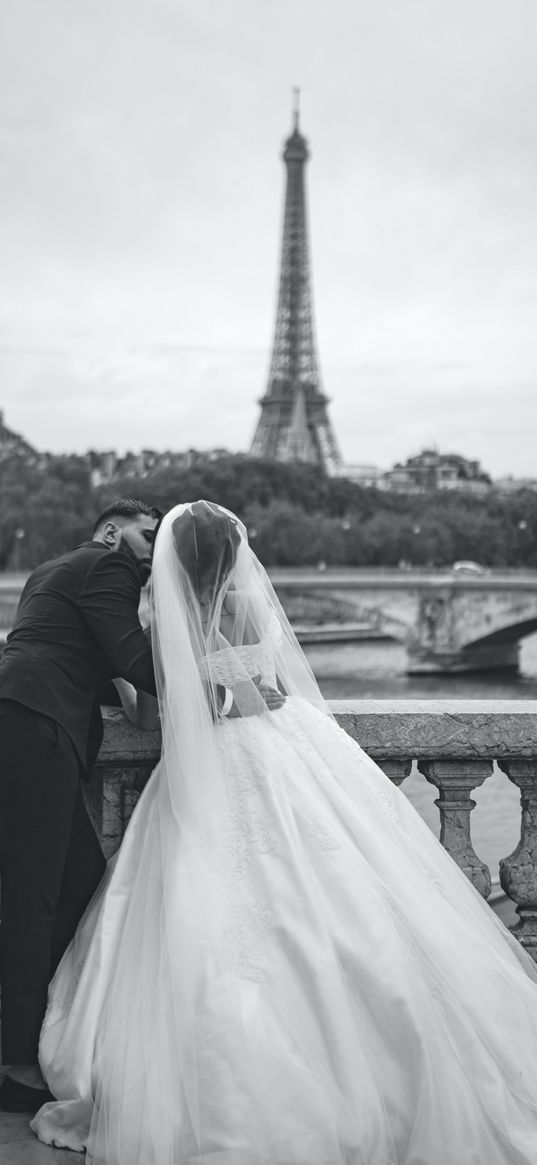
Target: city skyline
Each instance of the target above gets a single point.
(430, 469)
(142, 210)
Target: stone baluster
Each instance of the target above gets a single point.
(121, 788)
(396, 770)
(117, 791)
(518, 872)
(455, 779)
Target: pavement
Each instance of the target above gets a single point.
(19, 1145)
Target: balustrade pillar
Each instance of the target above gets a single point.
(120, 790)
(455, 779)
(396, 770)
(518, 872)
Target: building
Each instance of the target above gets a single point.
(107, 466)
(367, 476)
(432, 470)
(512, 485)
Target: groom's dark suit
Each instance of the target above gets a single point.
(77, 625)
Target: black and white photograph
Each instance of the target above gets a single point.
(268, 582)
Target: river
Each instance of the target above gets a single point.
(374, 669)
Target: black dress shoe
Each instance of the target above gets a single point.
(15, 1097)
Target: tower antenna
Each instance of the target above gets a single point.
(296, 108)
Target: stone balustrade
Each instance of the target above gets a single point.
(453, 742)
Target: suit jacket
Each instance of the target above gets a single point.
(77, 625)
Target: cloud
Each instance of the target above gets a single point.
(142, 209)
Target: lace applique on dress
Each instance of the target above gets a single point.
(247, 935)
(320, 834)
(385, 800)
(247, 830)
(375, 781)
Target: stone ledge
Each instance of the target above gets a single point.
(125, 744)
(424, 729)
(441, 729)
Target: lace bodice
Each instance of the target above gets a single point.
(229, 665)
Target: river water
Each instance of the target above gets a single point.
(375, 670)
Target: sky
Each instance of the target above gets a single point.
(141, 205)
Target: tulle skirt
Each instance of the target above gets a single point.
(302, 978)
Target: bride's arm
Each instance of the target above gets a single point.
(140, 707)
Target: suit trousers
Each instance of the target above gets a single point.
(50, 865)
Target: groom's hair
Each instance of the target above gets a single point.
(125, 510)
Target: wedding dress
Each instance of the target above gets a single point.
(282, 965)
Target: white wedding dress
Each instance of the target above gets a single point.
(290, 972)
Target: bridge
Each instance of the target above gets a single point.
(447, 622)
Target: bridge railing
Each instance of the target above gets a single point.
(453, 742)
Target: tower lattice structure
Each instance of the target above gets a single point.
(294, 423)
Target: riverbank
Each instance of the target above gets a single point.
(375, 669)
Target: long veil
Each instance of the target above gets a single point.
(212, 603)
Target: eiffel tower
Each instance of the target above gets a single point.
(294, 423)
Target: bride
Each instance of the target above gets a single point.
(282, 965)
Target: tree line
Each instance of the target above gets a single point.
(296, 516)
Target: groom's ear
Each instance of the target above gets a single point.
(111, 534)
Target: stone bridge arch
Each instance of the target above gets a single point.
(318, 608)
(447, 623)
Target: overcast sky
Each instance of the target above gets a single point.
(141, 207)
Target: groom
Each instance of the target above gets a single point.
(77, 625)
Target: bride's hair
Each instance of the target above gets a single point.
(206, 541)
(217, 619)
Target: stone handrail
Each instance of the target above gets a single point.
(454, 743)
